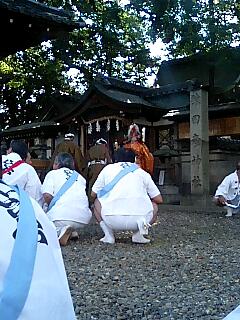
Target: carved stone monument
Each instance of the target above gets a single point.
(199, 141)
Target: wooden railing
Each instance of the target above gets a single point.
(41, 166)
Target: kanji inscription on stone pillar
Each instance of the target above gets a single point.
(199, 138)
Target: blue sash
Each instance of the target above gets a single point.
(234, 315)
(235, 203)
(63, 189)
(19, 274)
(108, 187)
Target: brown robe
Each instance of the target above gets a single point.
(95, 153)
(70, 147)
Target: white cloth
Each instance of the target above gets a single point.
(121, 223)
(23, 175)
(229, 188)
(130, 196)
(49, 296)
(65, 223)
(73, 204)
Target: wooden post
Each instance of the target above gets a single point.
(82, 139)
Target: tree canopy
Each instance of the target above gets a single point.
(115, 43)
(192, 26)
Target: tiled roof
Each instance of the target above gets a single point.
(27, 23)
(38, 10)
(218, 68)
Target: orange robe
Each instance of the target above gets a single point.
(144, 157)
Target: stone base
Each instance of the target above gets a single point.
(204, 201)
(170, 194)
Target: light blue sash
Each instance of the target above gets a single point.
(235, 203)
(63, 189)
(234, 315)
(19, 274)
(115, 180)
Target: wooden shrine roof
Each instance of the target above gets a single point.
(220, 69)
(43, 129)
(112, 97)
(26, 23)
(229, 109)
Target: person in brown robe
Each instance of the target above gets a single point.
(68, 146)
(97, 157)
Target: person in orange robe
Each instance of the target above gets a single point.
(143, 156)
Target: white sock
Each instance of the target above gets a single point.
(143, 226)
(139, 238)
(109, 236)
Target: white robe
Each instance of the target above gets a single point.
(130, 196)
(23, 175)
(73, 204)
(229, 187)
(49, 296)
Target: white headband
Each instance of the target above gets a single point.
(101, 141)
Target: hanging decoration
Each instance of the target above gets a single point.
(143, 134)
(117, 125)
(98, 128)
(89, 130)
(108, 125)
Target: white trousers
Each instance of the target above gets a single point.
(119, 223)
(231, 210)
(60, 224)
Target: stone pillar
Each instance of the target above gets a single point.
(199, 139)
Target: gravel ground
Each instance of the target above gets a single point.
(190, 270)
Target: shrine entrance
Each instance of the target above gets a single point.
(113, 130)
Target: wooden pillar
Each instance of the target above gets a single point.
(177, 162)
(150, 138)
(199, 139)
(82, 139)
(53, 145)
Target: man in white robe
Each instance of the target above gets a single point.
(16, 171)
(71, 212)
(48, 296)
(227, 194)
(132, 203)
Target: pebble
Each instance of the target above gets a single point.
(189, 271)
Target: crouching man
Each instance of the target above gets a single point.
(64, 191)
(17, 170)
(227, 194)
(126, 198)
